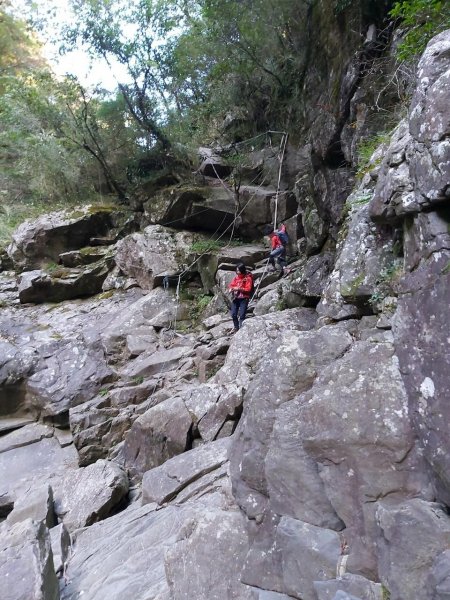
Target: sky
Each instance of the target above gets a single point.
(90, 73)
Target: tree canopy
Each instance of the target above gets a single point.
(192, 68)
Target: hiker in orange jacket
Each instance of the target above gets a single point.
(241, 289)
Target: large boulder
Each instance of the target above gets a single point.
(160, 433)
(31, 456)
(156, 310)
(42, 240)
(26, 563)
(354, 586)
(63, 284)
(365, 254)
(268, 459)
(36, 504)
(289, 557)
(149, 551)
(151, 363)
(71, 374)
(198, 208)
(84, 496)
(153, 254)
(211, 406)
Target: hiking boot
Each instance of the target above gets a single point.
(235, 330)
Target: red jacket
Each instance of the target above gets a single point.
(275, 241)
(242, 285)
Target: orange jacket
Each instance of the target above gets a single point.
(242, 285)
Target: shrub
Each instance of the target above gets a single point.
(423, 19)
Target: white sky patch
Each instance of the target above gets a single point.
(90, 73)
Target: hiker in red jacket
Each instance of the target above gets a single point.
(278, 249)
(241, 289)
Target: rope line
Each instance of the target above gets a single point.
(232, 226)
(280, 159)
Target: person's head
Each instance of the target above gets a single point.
(241, 268)
(268, 230)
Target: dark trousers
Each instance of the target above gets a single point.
(238, 309)
(279, 254)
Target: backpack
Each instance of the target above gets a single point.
(282, 235)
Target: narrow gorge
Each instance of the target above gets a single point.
(148, 453)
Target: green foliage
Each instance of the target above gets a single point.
(42, 161)
(446, 269)
(365, 151)
(18, 49)
(204, 246)
(360, 199)
(207, 246)
(423, 19)
(387, 282)
(203, 302)
(341, 5)
(386, 595)
(197, 302)
(198, 306)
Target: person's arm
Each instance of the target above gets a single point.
(246, 285)
(234, 285)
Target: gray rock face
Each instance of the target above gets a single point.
(211, 405)
(369, 451)
(424, 359)
(162, 483)
(297, 555)
(417, 165)
(146, 550)
(61, 544)
(440, 576)
(263, 472)
(160, 433)
(151, 363)
(412, 537)
(35, 504)
(308, 280)
(210, 208)
(214, 579)
(29, 456)
(155, 310)
(70, 375)
(212, 164)
(362, 257)
(26, 563)
(348, 586)
(241, 363)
